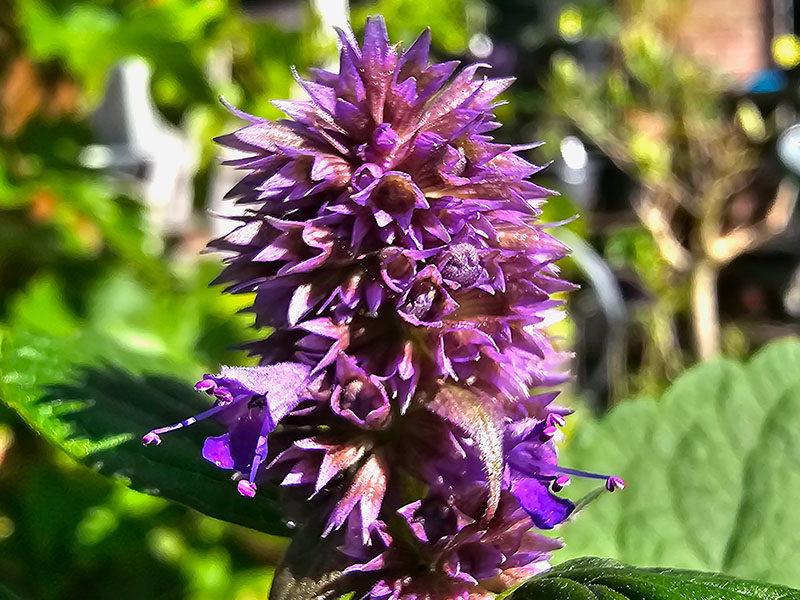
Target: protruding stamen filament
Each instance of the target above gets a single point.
(154, 437)
(248, 487)
(576, 473)
(612, 483)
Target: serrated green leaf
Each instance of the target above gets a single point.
(593, 578)
(713, 468)
(95, 399)
(554, 588)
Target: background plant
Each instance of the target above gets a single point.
(85, 280)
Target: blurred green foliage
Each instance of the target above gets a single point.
(711, 469)
(665, 120)
(453, 21)
(88, 38)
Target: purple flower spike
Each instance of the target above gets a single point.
(405, 285)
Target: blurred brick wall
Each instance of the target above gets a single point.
(730, 35)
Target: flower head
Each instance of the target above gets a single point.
(395, 252)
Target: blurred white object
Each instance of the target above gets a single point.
(332, 13)
(137, 143)
(789, 148)
(481, 45)
(791, 297)
(222, 180)
(575, 158)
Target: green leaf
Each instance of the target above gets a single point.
(90, 38)
(6, 594)
(594, 578)
(713, 469)
(95, 399)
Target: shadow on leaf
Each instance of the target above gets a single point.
(106, 411)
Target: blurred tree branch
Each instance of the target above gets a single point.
(660, 117)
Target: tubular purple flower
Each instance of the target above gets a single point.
(395, 252)
(359, 397)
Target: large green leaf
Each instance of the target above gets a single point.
(713, 470)
(6, 594)
(602, 579)
(95, 399)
